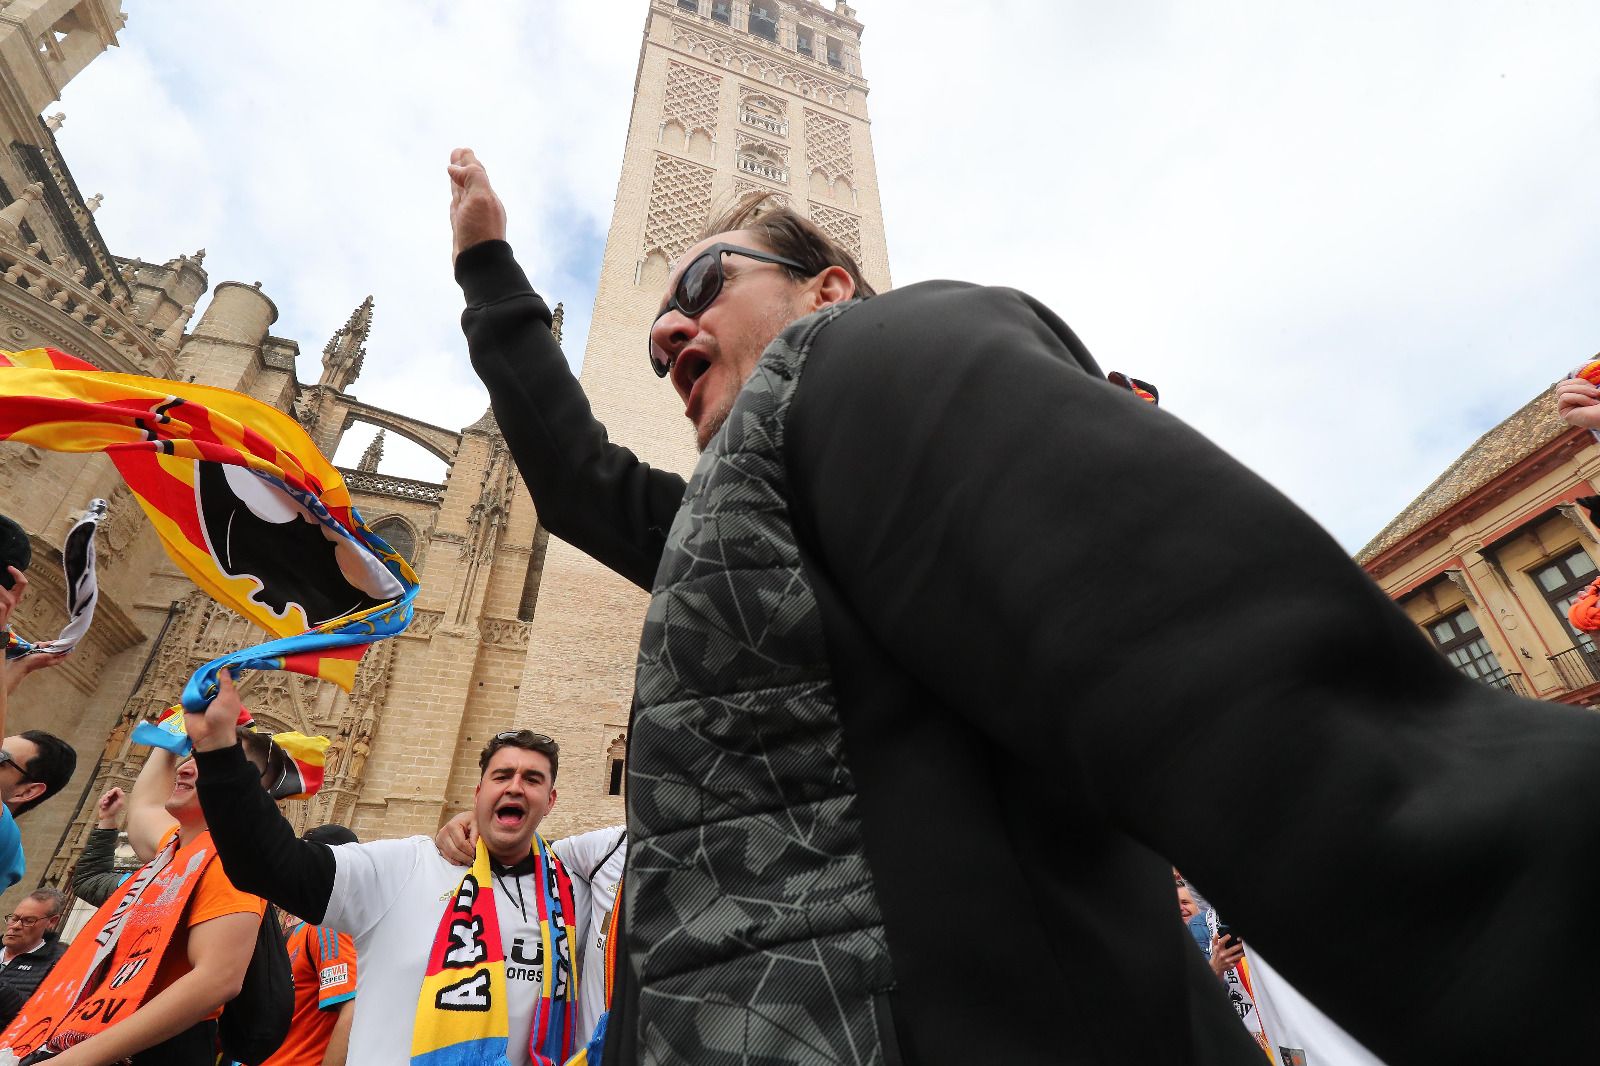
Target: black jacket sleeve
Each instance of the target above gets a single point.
(259, 851)
(1120, 609)
(598, 497)
(95, 876)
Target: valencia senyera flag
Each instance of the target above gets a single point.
(242, 500)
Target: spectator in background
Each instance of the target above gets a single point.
(323, 961)
(96, 876)
(29, 948)
(34, 765)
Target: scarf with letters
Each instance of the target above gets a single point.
(462, 1017)
(107, 971)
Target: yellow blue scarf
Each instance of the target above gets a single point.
(461, 1011)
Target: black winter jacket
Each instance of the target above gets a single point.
(1070, 641)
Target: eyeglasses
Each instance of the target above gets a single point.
(25, 921)
(7, 759)
(699, 286)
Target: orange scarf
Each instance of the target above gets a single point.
(107, 971)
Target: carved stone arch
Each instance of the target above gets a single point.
(442, 443)
(762, 101)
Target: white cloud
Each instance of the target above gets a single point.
(1344, 240)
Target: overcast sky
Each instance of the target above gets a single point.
(1344, 240)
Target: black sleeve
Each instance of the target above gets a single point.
(95, 876)
(596, 496)
(259, 851)
(1114, 605)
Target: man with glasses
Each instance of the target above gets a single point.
(947, 639)
(34, 765)
(29, 948)
(391, 896)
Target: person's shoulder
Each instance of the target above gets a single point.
(937, 325)
(585, 849)
(398, 853)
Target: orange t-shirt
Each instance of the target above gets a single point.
(213, 897)
(324, 965)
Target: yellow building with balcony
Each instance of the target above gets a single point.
(1489, 557)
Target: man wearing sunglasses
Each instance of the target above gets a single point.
(930, 552)
(388, 894)
(34, 765)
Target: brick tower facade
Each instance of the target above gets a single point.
(731, 96)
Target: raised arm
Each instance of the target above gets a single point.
(598, 497)
(258, 847)
(148, 820)
(94, 878)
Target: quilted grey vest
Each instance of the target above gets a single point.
(752, 921)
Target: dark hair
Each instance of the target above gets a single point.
(331, 834)
(786, 233)
(52, 767)
(527, 740)
(53, 897)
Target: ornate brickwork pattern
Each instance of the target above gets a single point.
(680, 200)
(691, 98)
(840, 225)
(741, 186)
(764, 67)
(828, 146)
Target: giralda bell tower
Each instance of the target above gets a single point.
(731, 95)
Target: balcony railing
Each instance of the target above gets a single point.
(1509, 682)
(387, 485)
(765, 170)
(1577, 668)
(764, 122)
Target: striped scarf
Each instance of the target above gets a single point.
(462, 1017)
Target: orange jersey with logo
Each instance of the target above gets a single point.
(324, 965)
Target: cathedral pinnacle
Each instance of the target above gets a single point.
(557, 317)
(346, 350)
(370, 457)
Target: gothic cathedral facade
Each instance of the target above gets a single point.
(511, 628)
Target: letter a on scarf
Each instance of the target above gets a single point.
(242, 501)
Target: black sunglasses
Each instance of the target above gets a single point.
(698, 287)
(527, 736)
(7, 759)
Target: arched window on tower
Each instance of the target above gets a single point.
(764, 19)
(722, 11)
(764, 114)
(761, 160)
(616, 764)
